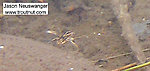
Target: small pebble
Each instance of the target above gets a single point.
(102, 12)
(69, 63)
(87, 36)
(48, 32)
(143, 19)
(1, 46)
(99, 34)
(110, 22)
(94, 33)
(51, 32)
(70, 69)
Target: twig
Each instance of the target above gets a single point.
(125, 67)
(145, 50)
(118, 56)
(139, 66)
(112, 57)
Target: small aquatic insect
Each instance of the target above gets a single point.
(67, 36)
